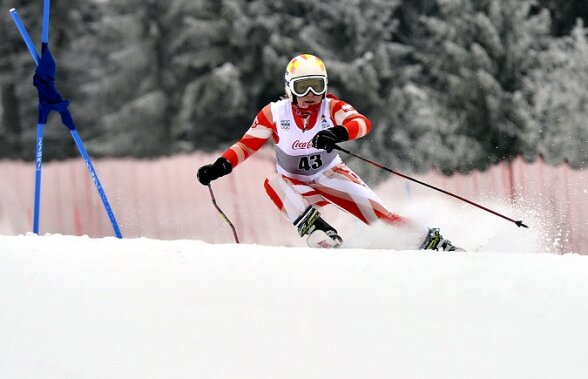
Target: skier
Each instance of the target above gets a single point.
(305, 126)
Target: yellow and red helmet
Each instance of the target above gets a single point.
(305, 73)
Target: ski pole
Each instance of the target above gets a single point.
(223, 213)
(517, 223)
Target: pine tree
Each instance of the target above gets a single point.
(19, 97)
(565, 14)
(16, 68)
(237, 61)
(558, 100)
(213, 62)
(130, 84)
(474, 55)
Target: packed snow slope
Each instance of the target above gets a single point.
(77, 307)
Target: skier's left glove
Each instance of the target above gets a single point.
(210, 172)
(327, 138)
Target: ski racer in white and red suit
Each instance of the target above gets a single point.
(310, 174)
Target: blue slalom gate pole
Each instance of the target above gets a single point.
(45, 31)
(38, 167)
(71, 127)
(25, 35)
(40, 127)
(94, 176)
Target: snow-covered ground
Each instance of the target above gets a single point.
(76, 307)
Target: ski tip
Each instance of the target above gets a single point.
(520, 223)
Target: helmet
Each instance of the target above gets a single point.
(305, 73)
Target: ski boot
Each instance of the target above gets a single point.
(435, 241)
(320, 234)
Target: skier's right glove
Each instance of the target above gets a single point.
(210, 172)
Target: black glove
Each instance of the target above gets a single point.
(210, 172)
(327, 138)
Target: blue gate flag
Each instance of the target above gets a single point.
(49, 98)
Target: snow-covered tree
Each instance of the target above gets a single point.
(235, 53)
(19, 97)
(130, 82)
(558, 99)
(16, 68)
(565, 14)
(452, 84)
(473, 56)
(218, 61)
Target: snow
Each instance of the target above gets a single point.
(80, 307)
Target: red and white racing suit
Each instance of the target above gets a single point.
(306, 175)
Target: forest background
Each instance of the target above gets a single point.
(455, 85)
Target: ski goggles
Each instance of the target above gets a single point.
(302, 86)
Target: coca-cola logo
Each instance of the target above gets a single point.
(297, 145)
